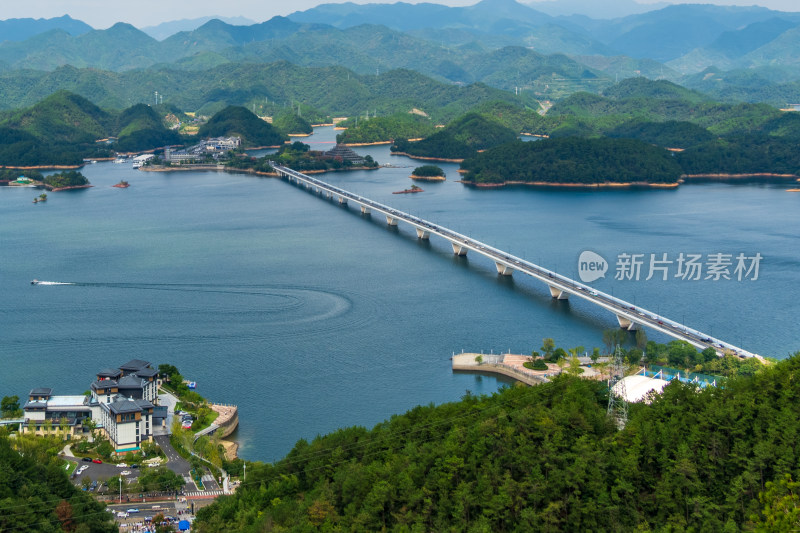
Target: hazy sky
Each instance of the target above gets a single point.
(104, 13)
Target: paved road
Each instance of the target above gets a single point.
(176, 463)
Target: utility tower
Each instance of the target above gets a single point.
(617, 397)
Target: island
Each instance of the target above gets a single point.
(122, 184)
(573, 162)
(428, 173)
(412, 190)
(65, 181)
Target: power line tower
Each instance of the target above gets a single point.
(617, 397)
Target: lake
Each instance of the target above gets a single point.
(310, 316)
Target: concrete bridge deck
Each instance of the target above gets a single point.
(561, 287)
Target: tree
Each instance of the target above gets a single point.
(781, 506)
(574, 367)
(548, 345)
(9, 406)
(609, 339)
(595, 354)
(479, 359)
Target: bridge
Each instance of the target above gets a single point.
(629, 316)
(11, 421)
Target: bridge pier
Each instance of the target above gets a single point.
(343, 200)
(391, 220)
(626, 323)
(422, 234)
(459, 249)
(558, 294)
(365, 210)
(503, 270)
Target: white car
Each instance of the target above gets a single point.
(122, 465)
(125, 473)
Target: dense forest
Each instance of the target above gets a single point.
(544, 458)
(291, 123)
(36, 494)
(69, 178)
(385, 129)
(460, 139)
(140, 128)
(236, 120)
(573, 160)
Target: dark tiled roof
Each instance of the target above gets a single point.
(36, 404)
(134, 365)
(109, 373)
(42, 391)
(104, 384)
(144, 404)
(130, 382)
(147, 372)
(123, 406)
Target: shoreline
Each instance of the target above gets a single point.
(562, 185)
(70, 188)
(759, 176)
(425, 158)
(223, 168)
(46, 167)
(428, 178)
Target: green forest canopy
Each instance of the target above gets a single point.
(544, 458)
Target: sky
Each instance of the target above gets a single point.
(141, 13)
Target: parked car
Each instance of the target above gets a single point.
(87, 459)
(122, 465)
(134, 466)
(97, 461)
(125, 473)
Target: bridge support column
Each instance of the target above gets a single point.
(558, 294)
(364, 210)
(422, 234)
(626, 323)
(504, 270)
(343, 200)
(459, 249)
(391, 220)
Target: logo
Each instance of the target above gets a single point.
(591, 266)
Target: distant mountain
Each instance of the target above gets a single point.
(594, 9)
(402, 16)
(165, 29)
(726, 49)
(22, 29)
(120, 47)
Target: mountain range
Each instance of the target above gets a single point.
(749, 53)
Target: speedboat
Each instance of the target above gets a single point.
(35, 282)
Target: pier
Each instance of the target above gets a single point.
(628, 315)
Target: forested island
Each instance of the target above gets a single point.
(66, 180)
(573, 161)
(545, 458)
(428, 173)
(460, 139)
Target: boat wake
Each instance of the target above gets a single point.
(51, 283)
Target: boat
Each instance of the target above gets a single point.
(35, 282)
(119, 160)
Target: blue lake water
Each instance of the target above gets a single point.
(311, 317)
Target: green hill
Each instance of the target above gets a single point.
(669, 134)
(383, 129)
(573, 160)
(140, 128)
(461, 138)
(63, 117)
(544, 458)
(235, 120)
(290, 122)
